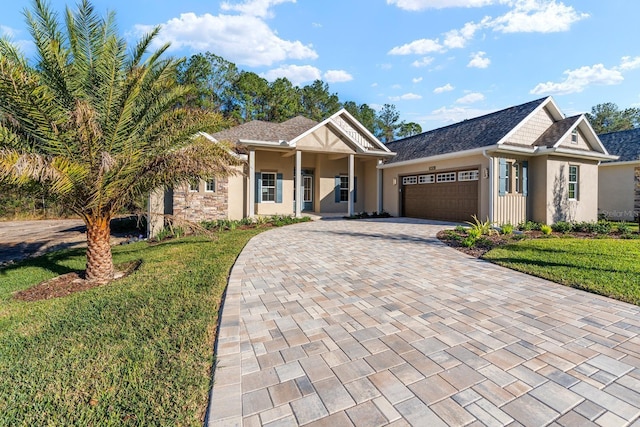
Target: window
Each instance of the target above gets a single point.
(574, 136)
(344, 188)
(516, 177)
(573, 182)
(194, 186)
(507, 178)
(211, 186)
(426, 179)
(268, 187)
(446, 177)
(409, 180)
(468, 176)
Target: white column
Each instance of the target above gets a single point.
(251, 199)
(379, 179)
(299, 185)
(351, 185)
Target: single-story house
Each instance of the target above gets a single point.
(619, 181)
(527, 162)
(334, 161)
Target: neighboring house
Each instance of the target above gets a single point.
(619, 181)
(334, 161)
(526, 162)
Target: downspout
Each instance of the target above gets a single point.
(484, 153)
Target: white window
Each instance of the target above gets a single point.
(211, 186)
(468, 176)
(516, 176)
(426, 179)
(268, 187)
(507, 178)
(573, 182)
(194, 186)
(344, 188)
(446, 177)
(574, 136)
(409, 180)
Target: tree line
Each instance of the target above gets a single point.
(241, 96)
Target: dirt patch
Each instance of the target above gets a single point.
(70, 283)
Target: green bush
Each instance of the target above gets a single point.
(474, 233)
(602, 227)
(546, 229)
(623, 228)
(468, 242)
(460, 229)
(560, 227)
(529, 226)
(507, 228)
(484, 228)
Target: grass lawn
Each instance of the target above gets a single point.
(135, 352)
(609, 267)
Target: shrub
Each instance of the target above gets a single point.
(546, 229)
(460, 229)
(474, 233)
(452, 235)
(602, 227)
(483, 227)
(624, 228)
(484, 242)
(529, 226)
(560, 227)
(468, 242)
(507, 228)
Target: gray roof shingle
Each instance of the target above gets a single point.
(555, 132)
(473, 133)
(258, 130)
(625, 143)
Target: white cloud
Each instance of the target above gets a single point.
(337, 76)
(417, 47)
(628, 63)
(316, 25)
(374, 84)
(418, 63)
(453, 114)
(245, 40)
(478, 60)
(470, 98)
(259, 8)
(458, 38)
(537, 16)
(445, 88)
(396, 86)
(579, 79)
(7, 31)
(416, 79)
(406, 97)
(415, 5)
(296, 74)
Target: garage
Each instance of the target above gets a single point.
(445, 196)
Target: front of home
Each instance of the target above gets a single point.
(619, 181)
(527, 162)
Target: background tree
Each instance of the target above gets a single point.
(387, 123)
(284, 100)
(608, 117)
(317, 102)
(249, 92)
(363, 113)
(408, 129)
(95, 122)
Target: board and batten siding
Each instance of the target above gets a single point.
(509, 207)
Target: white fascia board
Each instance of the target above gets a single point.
(568, 152)
(595, 135)
(627, 163)
(526, 119)
(361, 127)
(510, 149)
(271, 144)
(439, 157)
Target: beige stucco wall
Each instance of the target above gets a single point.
(616, 191)
(581, 144)
(273, 161)
(392, 180)
(237, 187)
(532, 129)
(537, 209)
(326, 171)
(324, 139)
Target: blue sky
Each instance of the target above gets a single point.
(438, 61)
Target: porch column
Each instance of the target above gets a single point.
(379, 179)
(351, 185)
(298, 190)
(251, 199)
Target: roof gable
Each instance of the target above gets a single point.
(625, 144)
(483, 131)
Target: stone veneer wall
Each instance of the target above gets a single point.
(202, 205)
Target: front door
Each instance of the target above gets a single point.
(307, 192)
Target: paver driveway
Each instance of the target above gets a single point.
(376, 322)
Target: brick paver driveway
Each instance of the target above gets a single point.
(370, 323)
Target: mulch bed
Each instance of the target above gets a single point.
(67, 284)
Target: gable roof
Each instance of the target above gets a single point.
(625, 143)
(258, 130)
(470, 134)
(555, 132)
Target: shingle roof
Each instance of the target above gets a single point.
(258, 130)
(473, 133)
(555, 132)
(625, 143)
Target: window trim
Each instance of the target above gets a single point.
(574, 136)
(471, 175)
(206, 186)
(575, 183)
(446, 177)
(427, 179)
(275, 187)
(344, 189)
(410, 180)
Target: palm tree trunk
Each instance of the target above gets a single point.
(99, 260)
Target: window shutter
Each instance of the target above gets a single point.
(279, 188)
(525, 178)
(502, 181)
(258, 187)
(355, 189)
(337, 189)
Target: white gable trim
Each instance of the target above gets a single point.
(556, 114)
(361, 128)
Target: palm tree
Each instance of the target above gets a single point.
(98, 124)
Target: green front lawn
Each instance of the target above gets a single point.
(135, 352)
(609, 267)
